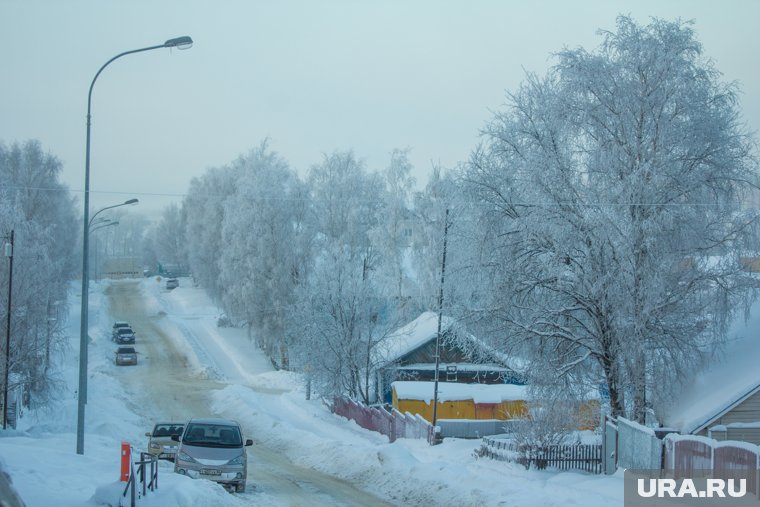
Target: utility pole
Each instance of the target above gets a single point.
(9, 254)
(440, 316)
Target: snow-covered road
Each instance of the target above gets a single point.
(185, 359)
(303, 455)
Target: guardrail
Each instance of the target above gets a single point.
(148, 482)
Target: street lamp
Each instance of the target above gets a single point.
(103, 225)
(183, 42)
(98, 224)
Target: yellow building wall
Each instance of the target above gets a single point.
(463, 409)
(588, 411)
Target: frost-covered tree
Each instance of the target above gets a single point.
(260, 264)
(430, 205)
(40, 211)
(167, 237)
(392, 236)
(203, 209)
(341, 314)
(610, 190)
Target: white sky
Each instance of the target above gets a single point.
(313, 77)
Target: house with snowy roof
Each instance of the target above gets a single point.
(724, 401)
(408, 354)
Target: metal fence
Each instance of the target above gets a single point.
(148, 482)
(586, 457)
(391, 424)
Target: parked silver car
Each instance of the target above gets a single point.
(161, 443)
(213, 449)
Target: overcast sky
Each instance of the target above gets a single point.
(313, 77)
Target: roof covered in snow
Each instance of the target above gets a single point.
(730, 379)
(423, 329)
(413, 335)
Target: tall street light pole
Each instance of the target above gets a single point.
(184, 42)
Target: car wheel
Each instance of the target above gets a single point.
(240, 488)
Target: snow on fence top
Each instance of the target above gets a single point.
(637, 426)
(737, 443)
(451, 391)
(675, 437)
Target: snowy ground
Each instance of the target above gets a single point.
(41, 459)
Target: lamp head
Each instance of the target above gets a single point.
(184, 42)
(131, 201)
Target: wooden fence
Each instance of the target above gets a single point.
(690, 456)
(586, 457)
(391, 424)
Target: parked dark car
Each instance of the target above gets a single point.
(172, 283)
(125, 335)
(126, 356)
(116, 326)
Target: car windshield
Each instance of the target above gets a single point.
(127, 350)
(125, 330)
(212, 435)
(167, 430)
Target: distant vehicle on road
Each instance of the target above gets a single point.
(213, 449)
(124, 335)
(172, 283)
(126, 356)
(161, 443)
(116, 326)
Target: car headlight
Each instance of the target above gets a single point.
(154, 445)
(240, 460)
(185, 457)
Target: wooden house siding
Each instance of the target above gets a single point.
(450, 353)
(751, 435)
(748, 411)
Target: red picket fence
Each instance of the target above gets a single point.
(391, 424)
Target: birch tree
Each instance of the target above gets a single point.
(611, 190)
(341, 313)
(40, 211)
(259, 266)
(203, 209)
